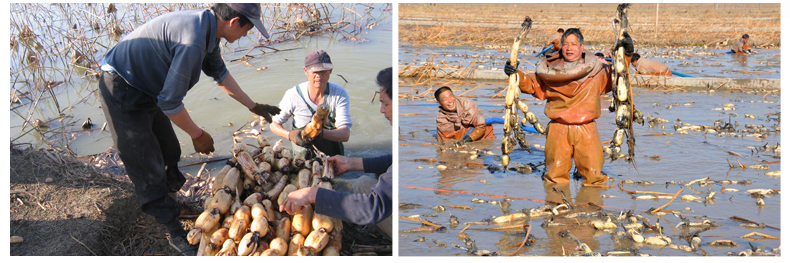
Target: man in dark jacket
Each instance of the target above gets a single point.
(143, 82)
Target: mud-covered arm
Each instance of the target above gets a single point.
(470, 113)
(445, 129)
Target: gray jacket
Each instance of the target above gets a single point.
(163, 57)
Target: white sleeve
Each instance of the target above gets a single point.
(342, 112)
(286, 108)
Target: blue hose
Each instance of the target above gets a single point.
(608, 59)
(437, 105)
(729, 52)
(493, 120)
(544, 50)
(680, 74)
(467, 132)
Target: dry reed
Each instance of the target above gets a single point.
(480, 25)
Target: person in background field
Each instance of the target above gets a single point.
(143, 82)
(741, 45)
(555, 40)
(571, 82)
(372, 201)
(649, 67)
(301, 102)
(459, 118)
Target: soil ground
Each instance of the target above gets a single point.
(678, 25)
(80, 212)
(63, 206)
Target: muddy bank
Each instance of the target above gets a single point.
(62, 207)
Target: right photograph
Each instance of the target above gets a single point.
(572, 129)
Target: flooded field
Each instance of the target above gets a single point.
(692, 61)
(668, 160)
(358, 52)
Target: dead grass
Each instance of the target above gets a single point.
(679, 25)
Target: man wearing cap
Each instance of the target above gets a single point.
(649, 67)
(143, 82)
(741, 45)
(301, 102)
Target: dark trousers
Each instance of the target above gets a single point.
(146, 143)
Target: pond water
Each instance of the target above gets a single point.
(675, 157)
(695, 62)
(265, 80)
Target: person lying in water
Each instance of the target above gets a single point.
(459, 118)
(741, 45)
(649, 67)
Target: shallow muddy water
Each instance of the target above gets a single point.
(676, 157)
(265, 80)
(695, 62)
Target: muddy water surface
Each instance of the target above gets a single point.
(675, 157)
(695, 62)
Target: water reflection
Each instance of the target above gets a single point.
(683, 157)
(557, 194)
(740, 59)
(451, 176)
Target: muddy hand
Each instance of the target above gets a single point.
(266, 111)
(342, 164)
(296, 200)
(296, 137)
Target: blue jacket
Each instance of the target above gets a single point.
(361, 209)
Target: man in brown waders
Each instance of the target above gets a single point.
(649, 67)
(459, 118)
(143, 82)
(572, 82)
(301, 102)
(741, 45)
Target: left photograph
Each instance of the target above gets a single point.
(201, 129)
